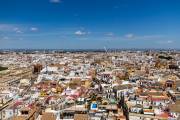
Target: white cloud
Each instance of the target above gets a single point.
(5, 38)
(11, 28)
(6, 27)
(151, 37)
(110, 34)
(132, 36)
(129, 36)
(55, 1)
(169, 41)
(17, 30)
(34, 29)
(165, 42)
(80, 33)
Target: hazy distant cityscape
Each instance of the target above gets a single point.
(117, 85)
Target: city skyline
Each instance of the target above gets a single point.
(90, 24)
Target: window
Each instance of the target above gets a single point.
(24, 112)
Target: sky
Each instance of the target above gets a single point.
(89, 24)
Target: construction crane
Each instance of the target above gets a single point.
(105, 49)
